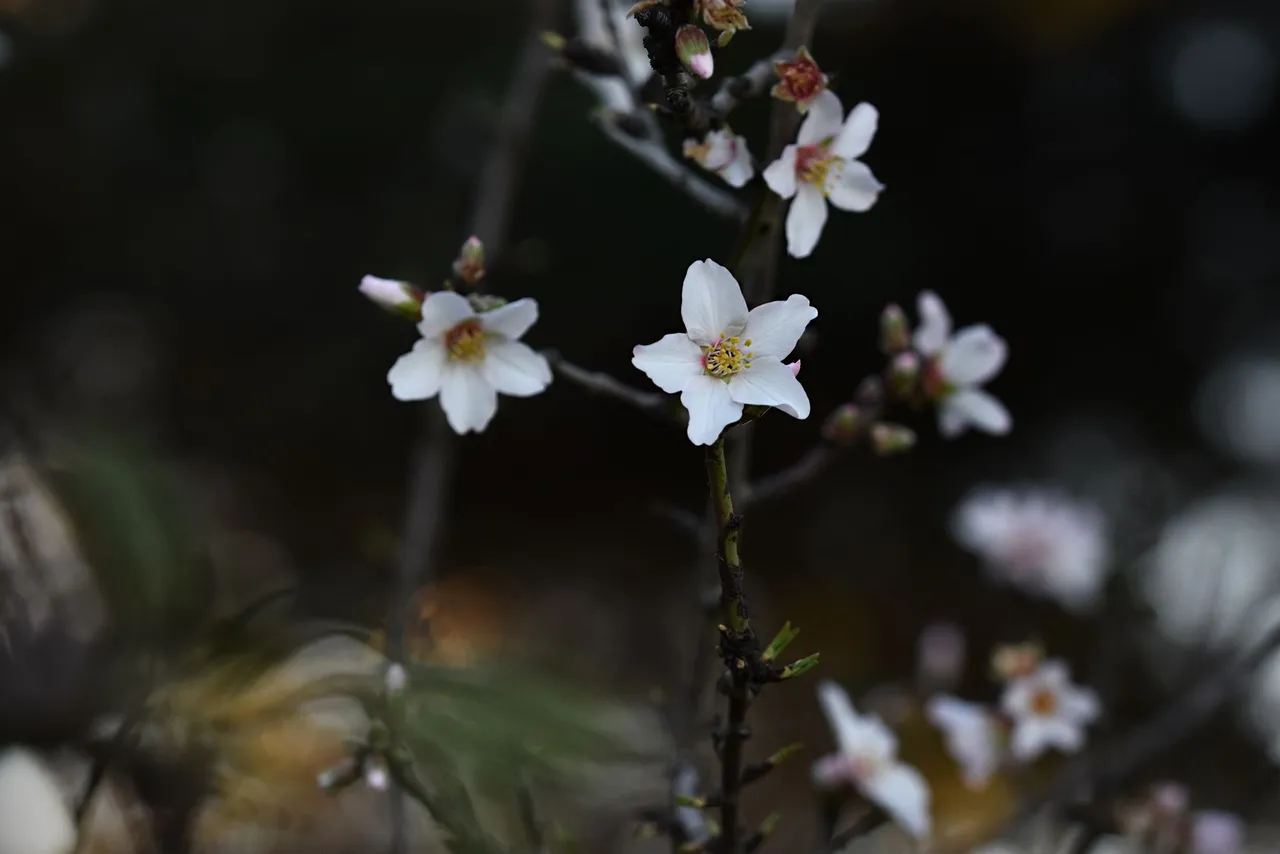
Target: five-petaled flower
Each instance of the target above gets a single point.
(728, 356)
(799, 80)
(1048, 711)
(971, 735)
(724, 153)
(1039, 541)
(468, 358)
(867, 758)
(956, 367)
(724, 15)
(823, 165)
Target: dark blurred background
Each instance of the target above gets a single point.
(192, 191)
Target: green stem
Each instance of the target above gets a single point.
(733, 607)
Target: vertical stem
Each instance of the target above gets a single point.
(738, 644)
(732, 606)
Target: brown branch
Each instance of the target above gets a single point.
(752, 82)
(597, 382)
(813, 463)
(432, 467)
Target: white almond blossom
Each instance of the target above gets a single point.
(867, 758)
(728, 357)
(823, 166)
(957, 366)
(724, 153)
(1041, 542)
(1048, 711)
(971, 736)
(468, 358)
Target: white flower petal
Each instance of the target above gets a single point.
(711, 409)
(511, 320)
(780, 175)
(1029, 739)
(514, 368)
(970, 737)
(953, 421)
(468, 400)
(711, 303)
(935, 324)
(775, 328)
(670, 362)
(852, 187)
(805, 220)
(1016, 700)
(740, 169)
(824, 119)
(770, 383)
(903, 793)
(832, 771)
(977, 409)
(417, 374)
(859, 129)
(841, 716)
(1062, 734)
(974, 355)
(1053, 674)
(1081, 705)
(441, 311)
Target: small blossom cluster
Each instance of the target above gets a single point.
(1040, 709)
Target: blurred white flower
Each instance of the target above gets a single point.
(34, 818)
(724, 153)
(728, 356)
(867, 759)
(823, 165)
(971, 736)
(468, 358)
(1041, 542)
(376, 776)
(1048, 711)
(957, 365)
(1215, 832)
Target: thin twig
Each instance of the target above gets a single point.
(434, 453)
(803, 470)
(870, 820)
(620, 107)
(530, 820)
(752, 82)
(597, 382)
(1110, 765)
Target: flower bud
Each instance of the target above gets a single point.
(895, 330)
(724, 15)
(892, 439)
(469, 265)
(396, 678)
(799, 80)
(1012, 661)
(394, 296)
(795, 367)
(904, 373)
(845, 423)
(376, 776)
(695, 51)
(870, 393)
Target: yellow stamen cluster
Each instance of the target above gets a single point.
(465, 342)
(725, 358)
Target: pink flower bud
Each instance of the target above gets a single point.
(890, 439)
(469, 265)
(940, 656)
(844, 424)
(904, 373)
(895, 330)
(795, 367)
(695, 51)
(394, 296)
(799, 80)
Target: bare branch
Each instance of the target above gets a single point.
(803, 470)
(432, 467)
(597, 382)
(747, 85)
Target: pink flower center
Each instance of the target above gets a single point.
(813, 163)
